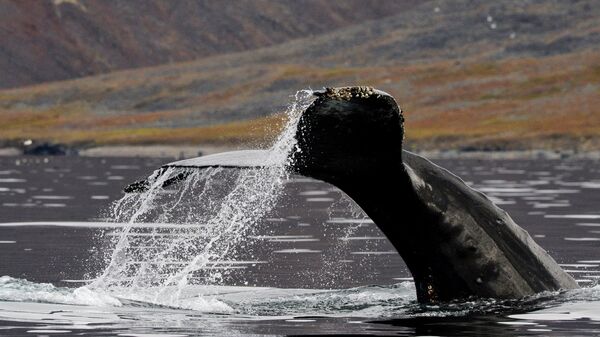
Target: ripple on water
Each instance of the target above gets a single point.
(8, 172)
(87, 177)
(52, 197)
(313, 192)
(284, 238)
(387, 252)
(588, 224)
(320, 199)
(99, 197)
(345, 221)
(12, 180)
(55, 205)
(572, 216)
(353, 238)
(549, 205)
(564, 312)
(297, 251)
(124, 167)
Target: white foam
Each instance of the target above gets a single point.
(19, 290)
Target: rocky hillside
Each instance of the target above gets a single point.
(49, 40)
(469, 74)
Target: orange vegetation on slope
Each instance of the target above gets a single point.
(447, 103)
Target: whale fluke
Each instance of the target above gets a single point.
(454, 240)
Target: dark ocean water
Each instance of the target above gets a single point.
(313, 265)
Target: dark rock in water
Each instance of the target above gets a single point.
(455, 241)
(47, 149)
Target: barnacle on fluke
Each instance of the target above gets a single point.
(347, 93)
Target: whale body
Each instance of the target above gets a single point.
(455, 242)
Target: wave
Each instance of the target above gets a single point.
(20, 290)
(376, 302)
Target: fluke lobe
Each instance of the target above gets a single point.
(454, 240)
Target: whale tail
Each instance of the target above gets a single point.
(454, 240)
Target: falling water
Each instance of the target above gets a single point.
(192, 232)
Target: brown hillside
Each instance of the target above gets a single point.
(532, 81)
(49, 40)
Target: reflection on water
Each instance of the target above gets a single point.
(51, 231)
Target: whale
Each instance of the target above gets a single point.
(455, 241)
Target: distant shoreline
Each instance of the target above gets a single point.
(149, 151)
(509, 154)
(189, 151)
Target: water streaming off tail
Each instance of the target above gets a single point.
(192, 232)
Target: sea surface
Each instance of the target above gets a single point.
(311, 264)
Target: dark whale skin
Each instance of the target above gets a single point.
(455, 241)
(475, 248)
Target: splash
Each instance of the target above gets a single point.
(203, 221)
(20, 290)
(333, 270)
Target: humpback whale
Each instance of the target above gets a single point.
(455, 241)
